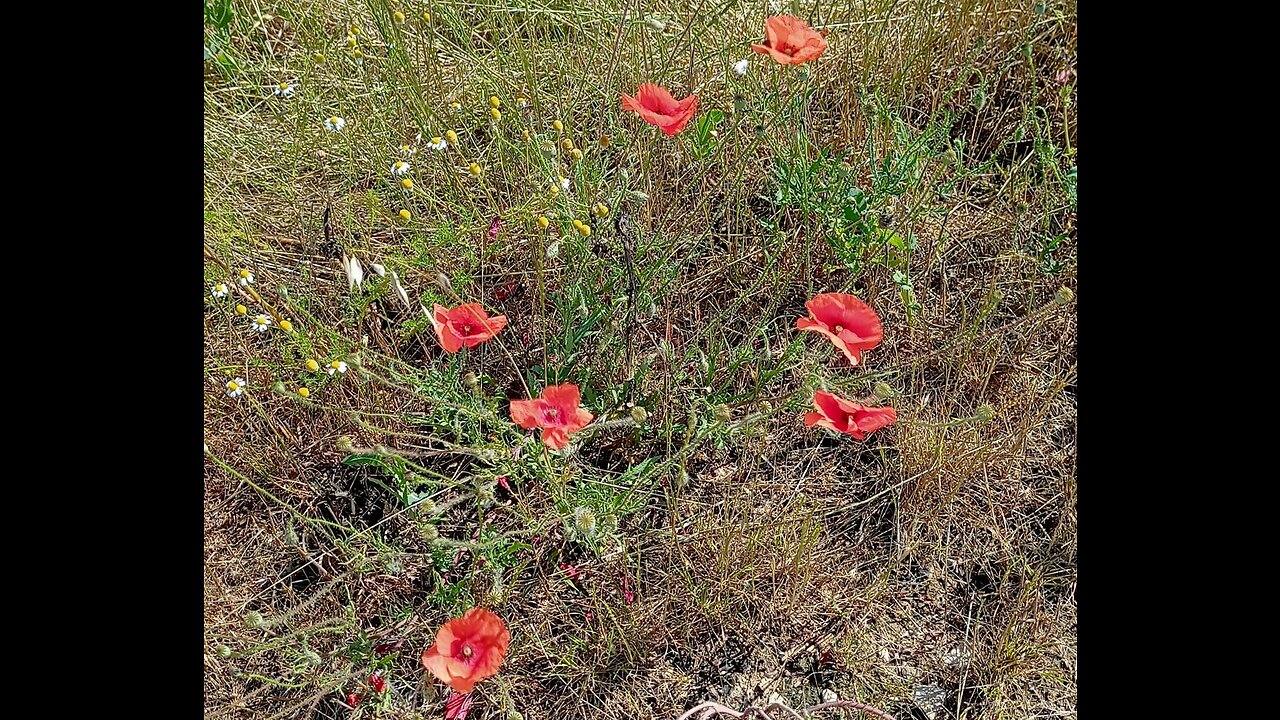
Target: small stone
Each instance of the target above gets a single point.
(956, 657)
(931, 699)
(829, 695)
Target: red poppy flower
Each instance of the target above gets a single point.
(791, 41)
(656, 106)
(850, 323)
(848, 417)
(468, 649)
(556, 412)
(378, 683)
(353, 699)
(466, 325)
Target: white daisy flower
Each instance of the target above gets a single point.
(437, 143)
(564, 183)
(337, 366)
(284, 90)
(334, 124)
(457, 106)
(235, 388)
(400, 167)
(407, 151)
(741, 66)
(220, 290)
(261, 323)
(246, 278)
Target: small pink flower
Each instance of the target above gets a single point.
(1063, 76)
(379, 685)
(353, 699)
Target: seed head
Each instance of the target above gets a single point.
(722, 413)
(883, 391)
(224, 652)
(485, 495)
(470, 380)
(430, 533)
(584, 520)
(1064, 296)
(443, 281)
(985, 413)
(639, 414)
(345, 444)
(254, 620)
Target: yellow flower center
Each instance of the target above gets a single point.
(495, 113)
(335, 364)
(474, 169)
(333, 121)
(399, 166)
(312, 365)
(559, 126)
(304, 392)
(286, 325)
(451, 136)
(284, 86)
(404, 148)
(244, 273)
(405, 215)
(241, 309)
(494, 101)
(233, 385)
(407, 183)
(435, 140)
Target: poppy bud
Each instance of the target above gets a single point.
(443, 281)
(353, 699)
(656, 24)
(378, 683)
(985, 413)
(883, 391)
(553, 250)
(949, 156)
(254, 620)
(722, 413)
(290, 535)
(681, 479)
(224, 652)
(484, 495)
(470, 380)
(584, 520)
(429, 533)
(427, 506)
(1064, 296)
(311, 657)
(639, 414)
(345, 445)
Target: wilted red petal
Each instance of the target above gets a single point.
(790, 40)
(655, 105)
(495, 225)
(457, 705)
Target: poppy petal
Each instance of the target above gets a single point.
(527, 413)
(564, 397)
(875, 418)
(657, 98)
(440, 321)
(555, 438)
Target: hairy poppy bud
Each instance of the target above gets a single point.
(429, 533)
(639, 414)
(426, 505)
(311, 657)
(443, 281)
(722, 413)
(484, 495)
(470, 380)
(346, 445)
(656, 24)
(883, 391)
(584, 520)
(1064, 296)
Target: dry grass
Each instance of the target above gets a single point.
(763, 557)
